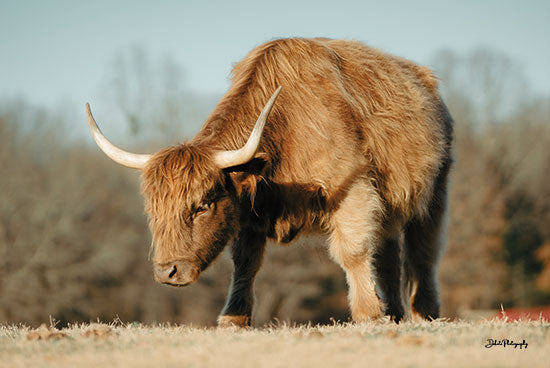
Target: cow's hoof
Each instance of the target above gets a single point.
(367, 315)
(233, 321)
(381, 320)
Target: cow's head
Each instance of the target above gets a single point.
(193, 211)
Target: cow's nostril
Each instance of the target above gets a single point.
(173, 271)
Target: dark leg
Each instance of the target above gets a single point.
(387, 263)
(247, 252)
(424, 245)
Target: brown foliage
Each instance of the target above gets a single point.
(74, 240)
(543, 280)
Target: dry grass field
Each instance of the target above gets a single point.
(410, 344)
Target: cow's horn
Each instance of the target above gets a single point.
(128, 159)
(244, 154)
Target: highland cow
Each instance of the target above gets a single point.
(353, 142)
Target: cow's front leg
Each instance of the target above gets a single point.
(247, 253)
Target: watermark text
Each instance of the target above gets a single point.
(506, 343)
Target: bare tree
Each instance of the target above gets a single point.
(151, 96)
(500, 133)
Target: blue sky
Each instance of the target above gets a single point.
(53, 51)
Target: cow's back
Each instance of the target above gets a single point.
(346, 111)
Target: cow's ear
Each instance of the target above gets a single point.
(245, 177)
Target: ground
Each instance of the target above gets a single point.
(410, 344)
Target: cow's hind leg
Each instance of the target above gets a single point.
(423, 248)
(247, 253)
(353, 241)
(388, 267)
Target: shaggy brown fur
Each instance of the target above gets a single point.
(358, 145)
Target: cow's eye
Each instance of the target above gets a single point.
(201, 209)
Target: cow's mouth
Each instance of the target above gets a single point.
(177, 285)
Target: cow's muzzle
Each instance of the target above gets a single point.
(175, 273)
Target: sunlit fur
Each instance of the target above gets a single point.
(342, 105)
(354, 146)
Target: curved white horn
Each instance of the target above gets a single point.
(133, 160)
(244, 154)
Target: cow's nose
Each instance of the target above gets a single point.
(165, 273)
(175, 273)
